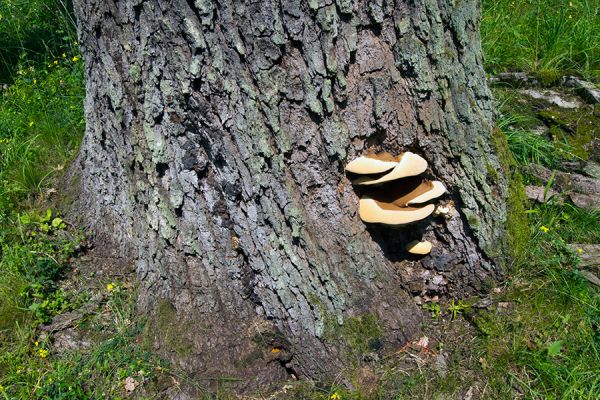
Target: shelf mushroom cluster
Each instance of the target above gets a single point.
(397, 204)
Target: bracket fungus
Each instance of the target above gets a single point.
(372, 163)
(395, 204)
(371, 210)
(420, 248)
(411, 191)
(409, 164)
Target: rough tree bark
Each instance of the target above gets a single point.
(217, 134)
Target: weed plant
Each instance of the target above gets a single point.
(547, 346)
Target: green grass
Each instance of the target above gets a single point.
(529, 147)
(41, 124)
(31, 367)
(32, 31)
(549, 37)
(548, 345)
(542, 134)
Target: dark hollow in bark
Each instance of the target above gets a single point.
(217, 135)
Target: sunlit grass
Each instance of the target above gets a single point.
(41, 125)
(32, 31)
(547, 37)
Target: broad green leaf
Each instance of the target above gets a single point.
(25, 219)
(554, 348)
(48, 216)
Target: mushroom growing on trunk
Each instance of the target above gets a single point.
(375, 163)
(409, 191)
(420, 248)
(410, 164)
(373, 211)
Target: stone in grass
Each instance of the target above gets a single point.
(589, 254)
(515, 79)
(589, 257)
(541, 130)
(536, 193)
(564, 181)
(441, 365)
(591, 277)
(553, 97)
(588, 168)
(70, 340)
(585, 89)
(590, 202)
(592, 169)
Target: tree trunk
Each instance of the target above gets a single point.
(217, 135)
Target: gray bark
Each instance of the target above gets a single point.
(217, 135)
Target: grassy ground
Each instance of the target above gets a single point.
(41, 125)
(539, 339)
(32, 31)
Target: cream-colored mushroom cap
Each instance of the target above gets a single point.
(435, 189)
(410, 164)
(372, 164)
(383, 213)
(420, 248)
(409, 191)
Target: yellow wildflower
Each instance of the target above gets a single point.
(335, 396)
(544, 229)
(64, 55)
(275, 350)
(580, 250)
(55, 62)
(75, 59)
(43, 353)
(110, 287)
(37, 344)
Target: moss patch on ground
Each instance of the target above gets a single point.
(516, 239)
(543, 133)
(171, 329)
